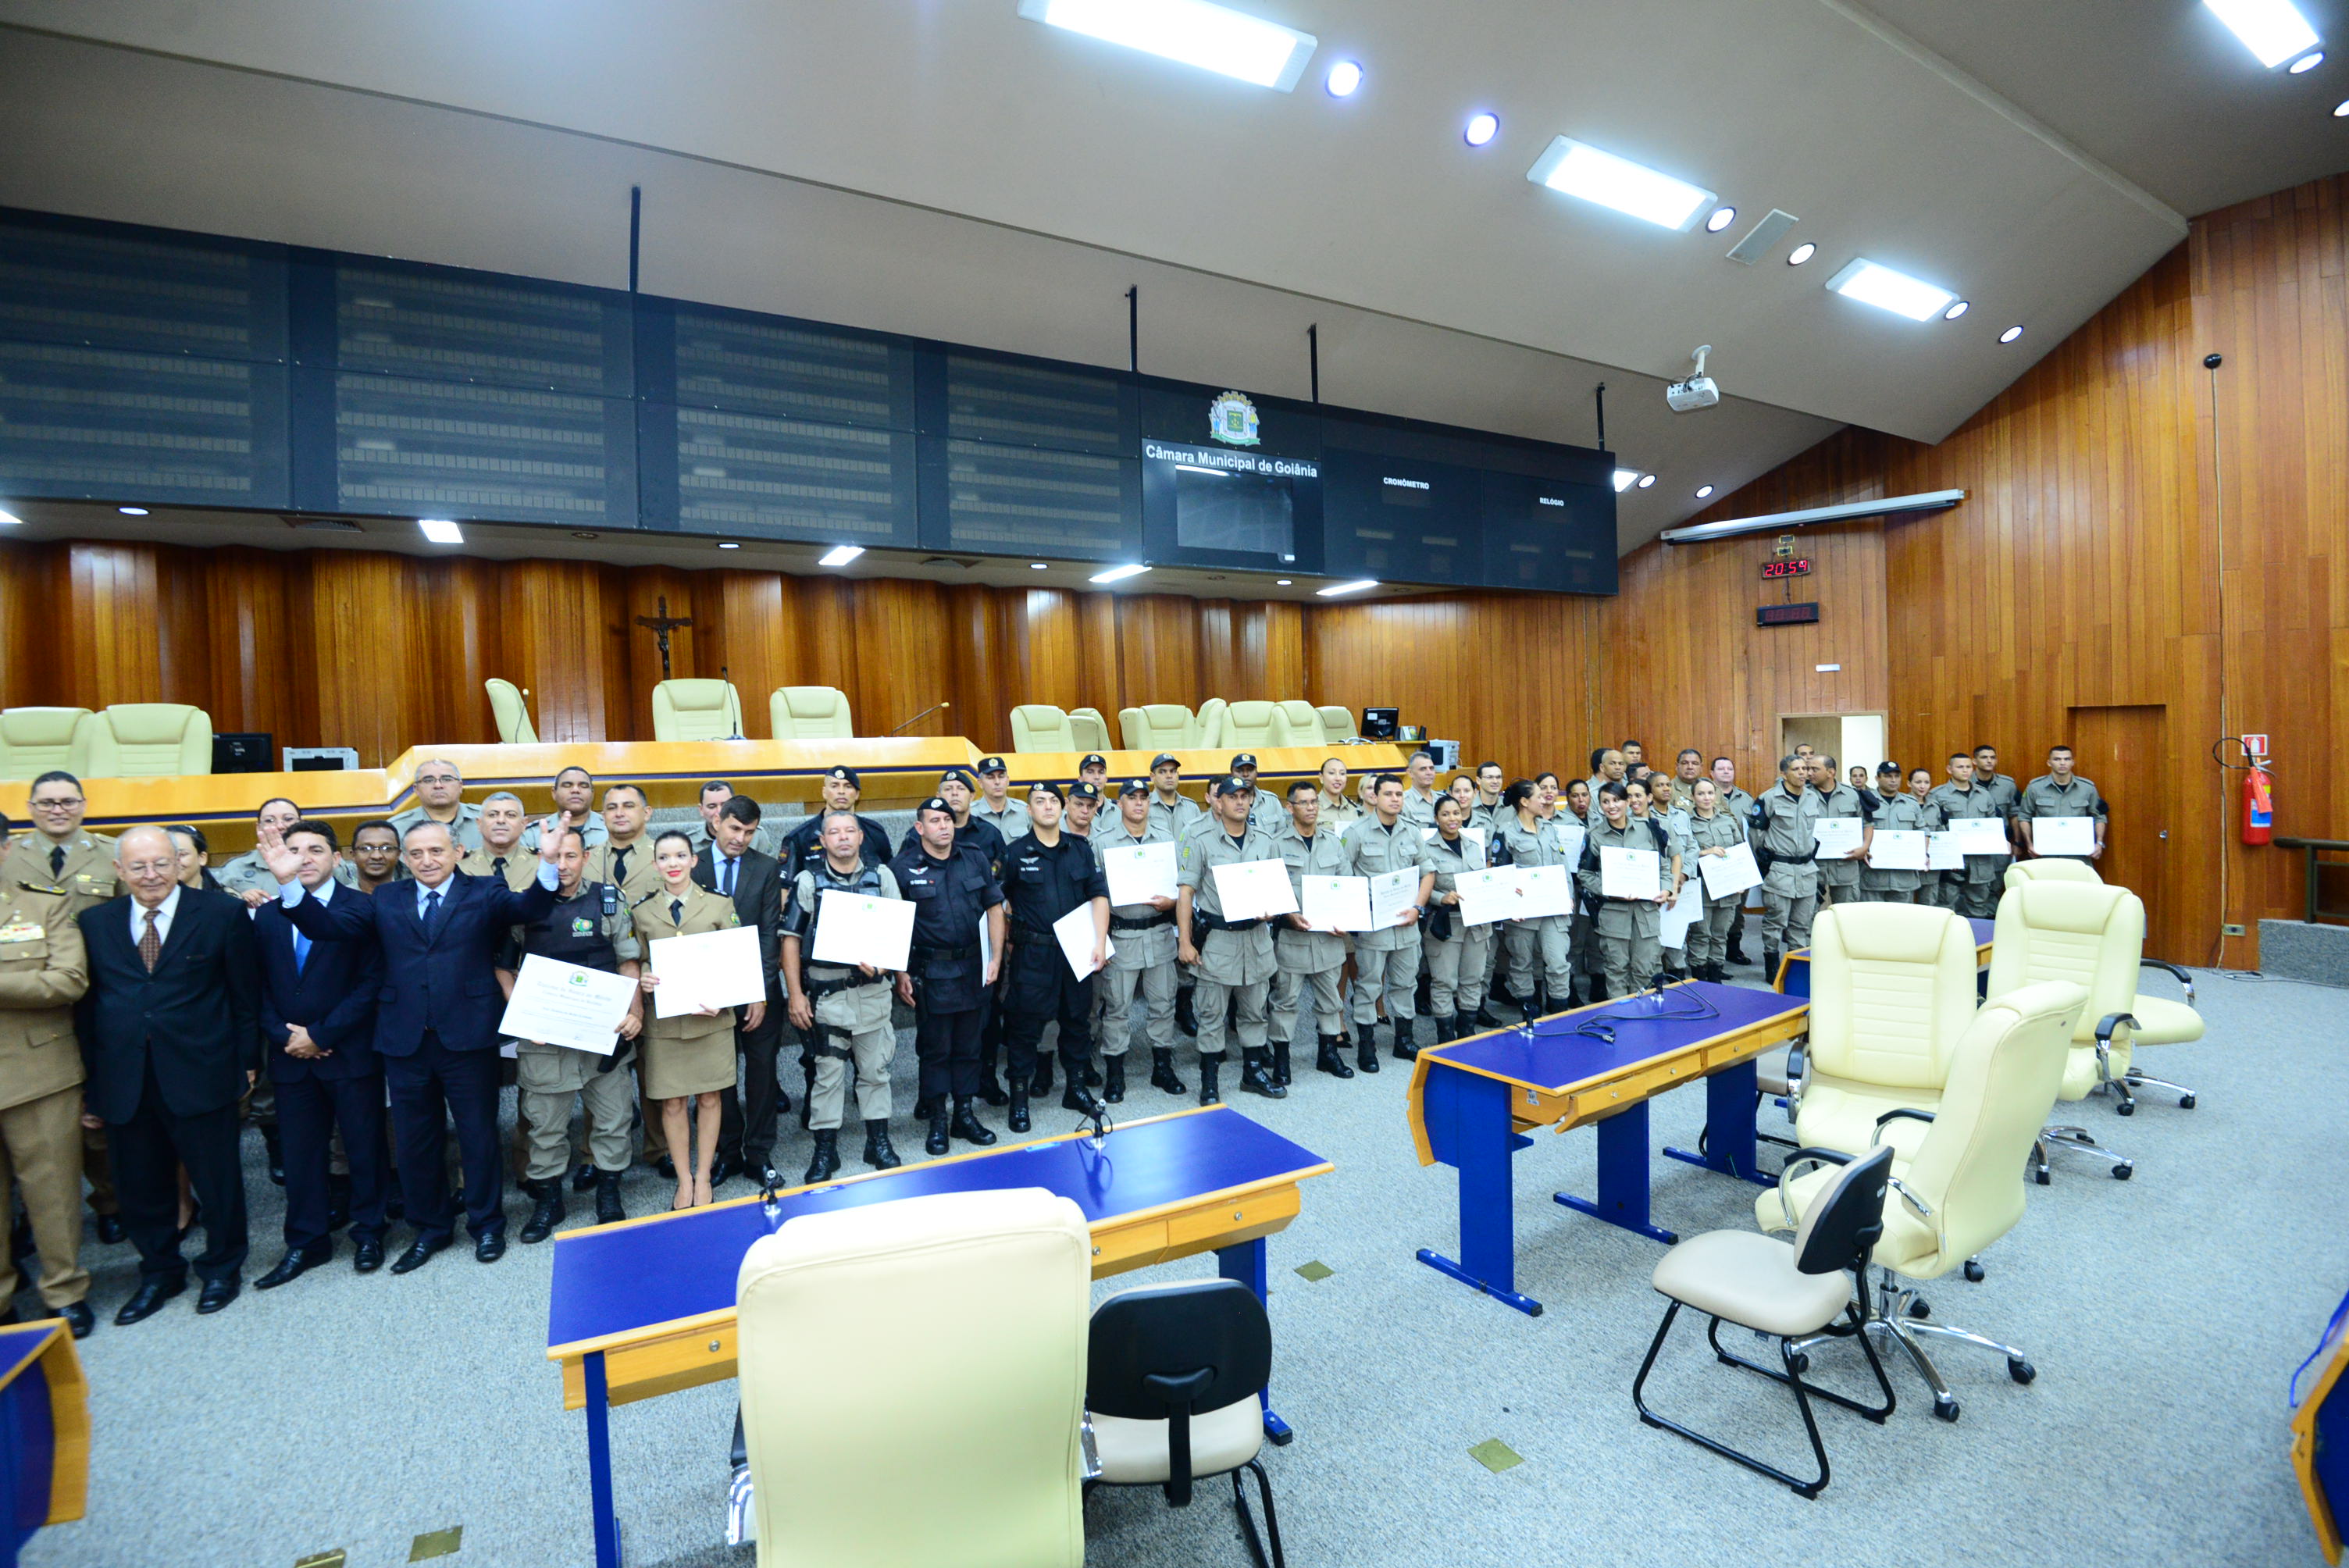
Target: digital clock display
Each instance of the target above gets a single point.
(1796, 568)
(1786, 615)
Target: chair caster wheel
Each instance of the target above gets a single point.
(1799, 1363)
(1946, 1408)
(2041, 1176)
(2121, 1172)
(2125, 1107)
(1973, 1271)
(1921, 1310)
(2021, 1371)
(2186, 1102)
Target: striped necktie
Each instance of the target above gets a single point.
(151, 943)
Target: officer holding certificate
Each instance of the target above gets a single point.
(957, 950)
(1891, 809)
(1045, 875)
(840, 1010)
(1231, 960)
(1630, 929)
(1310, 962)
(1143, 935)
(2060, 792)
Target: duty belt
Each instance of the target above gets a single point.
(1210, 923)
(1141, 923)
(814, 988)
(945, 954)
(1806, 858)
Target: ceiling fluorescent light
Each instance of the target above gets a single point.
(1779, 521)
(10, 520)
(840, 555)
(1625, 478)
(440, 530)
(1337, 588)
(1580, 169)
(2273, 30)
(1192, 32)
(1117, 573)
(1871, 282)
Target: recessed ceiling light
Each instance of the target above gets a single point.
(1337, 588)
(1117, 573)
(728, 544)
(2341, 110)
(2010, 335)
(2308, 62)
(1283, 582)
(10, 520)
(1039, 565)
(1192, 32)
(1801, 253)
(1581, 169)
(1957, 310)
(840, 555)
(1481, 128)
(1872, 283)
(1625, 478)
(1344, 78)
(1702, 491)
(2273, 30)
(1647, 481)
(1722, 217)
(131, 510)
(440, 530)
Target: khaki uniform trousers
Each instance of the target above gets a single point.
(1629, 946)
(1457, 969)
(1541, 956)
(1790, 899)
(1394, 971)
(1288, 989)
(1708, 937)
(861, 1013)
(40, 1156)
(1152, 976)
(547, 1079)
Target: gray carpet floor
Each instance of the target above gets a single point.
(2164, 1315)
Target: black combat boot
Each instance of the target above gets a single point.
(1207, 1091)
(1769, 968)
(608, 1207)
(1279, 1052)
(1113, 1087)
(926, 1107)
(965, 1125)
(1366, 1047)
(1080, 1099)
(1162, 1072)
(1042, 1084)
(547, 1214)
(1019, 1122)
(936, 1144)
(1186, 1017)
(826, 1163)
(1406, 1047)
(807, 1086)
(1329, 1058)
(879, 1152)
(1255, 1080)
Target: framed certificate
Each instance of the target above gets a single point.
(2063, 835)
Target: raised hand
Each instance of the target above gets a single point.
(550, 838)
(283, 862)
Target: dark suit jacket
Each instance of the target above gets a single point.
(332, 995)
(759, 895)
(196, 1018)
(445, 981)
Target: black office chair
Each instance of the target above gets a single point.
(1174, 1391)
(1795, 1293)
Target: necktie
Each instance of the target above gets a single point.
(57, 860)
(620, 868)
(677, 912)
(729, 888)
(151, 943)
(432, 911)
(301, 950)
(498, 867)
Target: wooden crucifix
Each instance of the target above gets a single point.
(661, 625)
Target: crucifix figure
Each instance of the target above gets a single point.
(661, 625)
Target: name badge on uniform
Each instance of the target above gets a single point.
(21, 930)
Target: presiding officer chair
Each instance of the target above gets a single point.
(1792, 1293)
(859, 1457)
(1298, 723)
(1338, 724)
(2052, 870)
(1039, 727)
(1155, 726)
(151, 740)
(1962, 1189)
(697, 710)
(37, 740)
(1250, 726)
(1207, 729)
(809, 713)
(513, 714)
(1089, 728)
(1174, 1386)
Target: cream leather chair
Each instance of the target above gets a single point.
(151, 740)
(1298, 723)
(1250, 726)
(697, 710)
(1207, 731)
(1339, 724)
(810, 713)
(940, 1424)
(1037, 727)
(1961, 1186)
(1090, 728)
(511, 712)
(2023, 872)
(37, 740)
(1157, 726)
(1892, 990)
(2093, 937)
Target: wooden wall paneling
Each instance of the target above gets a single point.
(1219, 661)
(976, 677)
(1159, 651)
(112, 626)
(1101, 670)
(899, 638)
(1284, 650)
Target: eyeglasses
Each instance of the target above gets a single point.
(65, 805)
(438, 778)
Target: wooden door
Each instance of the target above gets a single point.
(2122, 750)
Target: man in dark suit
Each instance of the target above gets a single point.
(436, 1021)
(171, 1033)
(730, 866)
(318, 1032)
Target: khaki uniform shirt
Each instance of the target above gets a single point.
(1226, 957)
(1718, 832)
(1895, 814)
(520, 870)
(1956, 800)
(1841, 802)
(1310, 952)
(466, 829)
(88, 876)
(1781, 823)
(592, 832)
(1011, 822)
(643, 871)
(1418, 807)
(704, 912)
(1135, 949)
(1177, 819)
(2043, 797)
(43, 973)
(1373, 849)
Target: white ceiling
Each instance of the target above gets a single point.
(943, 168)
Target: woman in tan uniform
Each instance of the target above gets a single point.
(688, 1060)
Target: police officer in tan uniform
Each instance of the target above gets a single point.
(1780, 828)
(500, 853)
(1232, 960)
(42, 973)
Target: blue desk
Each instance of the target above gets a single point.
(44, 1431)
(645, 1307)
(1793, 976)
(1472, 1101)
(2320, 1438)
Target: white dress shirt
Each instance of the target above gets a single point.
(163, 913)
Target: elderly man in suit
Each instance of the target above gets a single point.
(436, 1025)
(732, 865)
(171, 1033)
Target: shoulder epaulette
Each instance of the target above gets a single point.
(29, 885)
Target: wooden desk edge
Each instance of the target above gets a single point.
(2304, 1450)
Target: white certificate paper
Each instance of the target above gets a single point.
(1490, 895)
(1896, 850)
(1075, 930)
(1728, 873)
(858, 928)
(1683, 912)
(1979, 835)
(712, 969)
(1837, 837)
(1250, 890)
(1544, 890)
(1943, 855)
(2063, 835)
(1569, 836)
(1630, 874)
(1392, 892)
(1138, 872)
(559, 1004)
(1337, 904)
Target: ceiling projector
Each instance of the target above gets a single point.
(1699, 391)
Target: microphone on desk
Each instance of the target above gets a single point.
(921, 716)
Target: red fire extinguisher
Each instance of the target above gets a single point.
(2259, 805)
